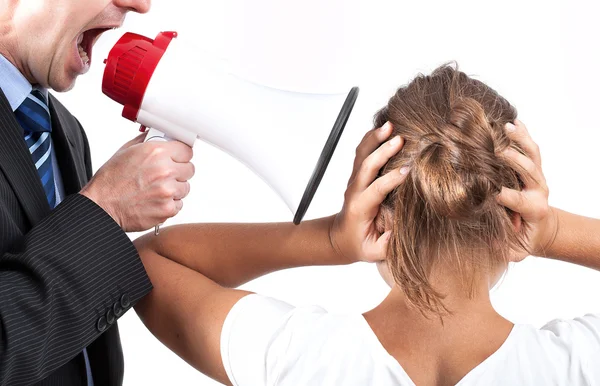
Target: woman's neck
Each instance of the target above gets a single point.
(426, 344)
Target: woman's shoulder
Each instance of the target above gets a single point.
(586, 327)
(303, 323)
(265, 338)
(575, 342)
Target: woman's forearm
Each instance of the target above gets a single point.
(233, 254)
(577, 240)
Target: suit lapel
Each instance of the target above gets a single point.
(65, 135)
(18, 167)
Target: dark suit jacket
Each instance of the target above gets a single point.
(66, 275)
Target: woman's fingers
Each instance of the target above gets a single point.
(370, 167)
(370, 142)
(532, 174)
(518, 133)
(530, 204)
(371, 199)
(513, 200)
(353, 233)
(377, 251)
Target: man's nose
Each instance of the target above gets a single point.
(139, 6)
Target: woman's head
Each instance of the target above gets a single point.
(445, 217)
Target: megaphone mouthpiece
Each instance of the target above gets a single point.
(130, 66)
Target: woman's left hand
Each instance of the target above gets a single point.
(531, 202)
(353, 233)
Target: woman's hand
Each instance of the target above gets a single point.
(531, 204)
(353, 233)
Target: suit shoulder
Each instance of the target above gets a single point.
(64, 115)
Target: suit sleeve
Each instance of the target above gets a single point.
(61, 286)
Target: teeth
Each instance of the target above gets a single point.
(84, 56)
(80, 39)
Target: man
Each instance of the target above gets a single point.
(68, 270)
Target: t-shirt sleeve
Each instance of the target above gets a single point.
(255, 338)
(582, 337)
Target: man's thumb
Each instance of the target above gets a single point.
(137, 140)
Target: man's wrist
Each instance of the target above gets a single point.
(89, 193)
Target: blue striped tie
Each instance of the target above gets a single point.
(34, 116)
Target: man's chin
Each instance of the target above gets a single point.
(67, 88)
(63, 84)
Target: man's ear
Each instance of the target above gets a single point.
(516, 221)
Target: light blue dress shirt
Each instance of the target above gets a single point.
(16, 88)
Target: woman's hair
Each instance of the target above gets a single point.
(446, 211)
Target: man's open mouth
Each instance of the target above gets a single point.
(86, 41)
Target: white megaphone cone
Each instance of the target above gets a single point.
(164, 87)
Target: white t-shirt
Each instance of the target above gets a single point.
(266, 342)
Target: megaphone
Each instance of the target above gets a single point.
(167, 89)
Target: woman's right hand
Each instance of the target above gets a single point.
(353, 234)
(531, 203)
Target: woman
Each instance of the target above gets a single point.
(464, 198)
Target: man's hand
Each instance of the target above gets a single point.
(143, 184)
(353, 233)
(531, 204)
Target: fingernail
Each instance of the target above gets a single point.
(510, 127)
(404, 170)
(508, 152)
(386, 126)
(395, 141)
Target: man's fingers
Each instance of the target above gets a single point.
(184, 171)
(374, 195)
(370, 142)
(178, 205)
(182, 190)
(179, 151)
(375, 161)
(518, 133)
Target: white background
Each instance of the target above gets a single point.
(543, 56)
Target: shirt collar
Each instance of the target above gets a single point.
(14, 85)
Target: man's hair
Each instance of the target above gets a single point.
(446, 211)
